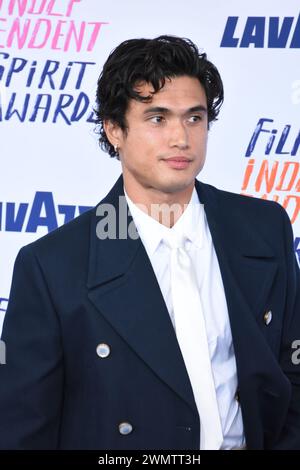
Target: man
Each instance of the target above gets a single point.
(138, 341)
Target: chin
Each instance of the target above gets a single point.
(177, 187)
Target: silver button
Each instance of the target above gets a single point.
(268, 317)
(125, 428)
(103, 350)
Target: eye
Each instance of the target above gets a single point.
(196, 118)
(157, 119)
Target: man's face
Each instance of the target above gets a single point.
(165, 145)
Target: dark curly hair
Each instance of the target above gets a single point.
(152, 61)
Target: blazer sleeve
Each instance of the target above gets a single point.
(290, 437)
(31, 391)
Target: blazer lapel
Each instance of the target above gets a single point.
(124, 289)
(240, 249)
(248, 267)
(247, 263)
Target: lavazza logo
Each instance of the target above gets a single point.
(264, 32)
(43, 211)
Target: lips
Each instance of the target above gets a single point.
(177, 162)
(178, 159)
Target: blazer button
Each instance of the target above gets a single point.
(103, 350)
(237, 396)
(125, 428)
(268, 317)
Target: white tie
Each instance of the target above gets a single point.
(192, 339)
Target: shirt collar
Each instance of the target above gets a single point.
(151, 232)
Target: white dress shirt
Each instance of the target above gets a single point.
(193, 224)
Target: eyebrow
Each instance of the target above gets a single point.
(162, 110)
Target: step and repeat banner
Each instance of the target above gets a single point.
(51, 54)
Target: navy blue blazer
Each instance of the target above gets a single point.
(72, 291)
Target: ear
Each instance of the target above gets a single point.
(113, 132)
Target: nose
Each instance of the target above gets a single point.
(178, 135)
